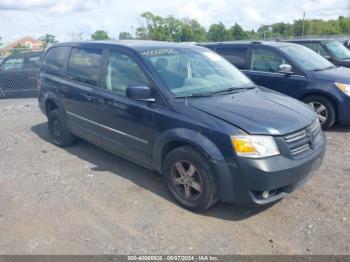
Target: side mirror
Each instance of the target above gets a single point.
(328, 57)
(285, 69)
(140, 93)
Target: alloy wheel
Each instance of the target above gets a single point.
(321, 111)
(186, 180)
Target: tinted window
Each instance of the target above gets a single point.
(266, 60)
(123, 71)
(317, 47)
(84, 65)
(32, 61)
(54, 59)
(236, 55)
(13, 63)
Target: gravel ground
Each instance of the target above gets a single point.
(84, 200)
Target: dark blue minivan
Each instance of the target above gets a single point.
(184, 112)
(296, 71)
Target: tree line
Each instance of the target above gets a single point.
(170, 28)
(173, 29)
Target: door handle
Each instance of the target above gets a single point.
(89, 97)
(107, 101)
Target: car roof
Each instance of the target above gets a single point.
(266, 43)
(309, 40)
(132, 44)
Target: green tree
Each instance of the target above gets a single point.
(192, 31)
(344, 24)
(237, 32)
(48, 40)
(0, 41)
(100, 35)
(125, 36)
(158, 28)
(218, 32)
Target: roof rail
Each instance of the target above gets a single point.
(256, 42)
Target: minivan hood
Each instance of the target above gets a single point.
(258, 111)
(338, 74)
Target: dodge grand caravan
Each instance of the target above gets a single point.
(184, 112)
(296, 71)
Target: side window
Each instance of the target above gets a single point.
(122, 71)
(13, 64)
(84, 65)
(54, 60)
(32, 62)
(318, 48)
(266, 60)
(236, 56)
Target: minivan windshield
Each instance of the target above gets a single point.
(195, 71)
(306, 58)
(338, 50)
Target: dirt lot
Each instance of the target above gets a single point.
(84, 200)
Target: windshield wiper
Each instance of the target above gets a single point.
(232, 90)
(196, 95)
(325, 68)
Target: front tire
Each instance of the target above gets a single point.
(324, 109)
(58, 129)
(190, 179)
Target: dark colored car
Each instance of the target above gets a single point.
(347, 44)
(332, 50)
(19, 75)
(296, 71)
(184, 112)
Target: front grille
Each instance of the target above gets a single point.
(303, 140)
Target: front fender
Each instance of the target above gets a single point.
(187, 136)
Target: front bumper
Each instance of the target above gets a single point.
(242, 183)
(343, 111)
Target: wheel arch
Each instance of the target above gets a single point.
(324, 95)
(183, 137)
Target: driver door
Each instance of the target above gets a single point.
(127, 124)
(264, 71)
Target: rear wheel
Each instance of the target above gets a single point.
(58, 130)
(324, 109)
(190, 179)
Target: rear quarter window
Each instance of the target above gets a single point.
(235, 55)
(55, 59)
(84, 65)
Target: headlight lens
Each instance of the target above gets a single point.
(254, 146)
(343, 87)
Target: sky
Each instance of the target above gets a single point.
(67, 18)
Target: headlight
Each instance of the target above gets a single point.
(254, 146)
(343, 87)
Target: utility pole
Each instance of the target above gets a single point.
(302, 31)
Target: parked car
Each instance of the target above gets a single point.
(347, 44)
(185, 112)
(332, 50)
(296, 71)
(19, 74)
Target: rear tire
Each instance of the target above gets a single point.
(324, 109)
(190, 178)
(58, 129)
